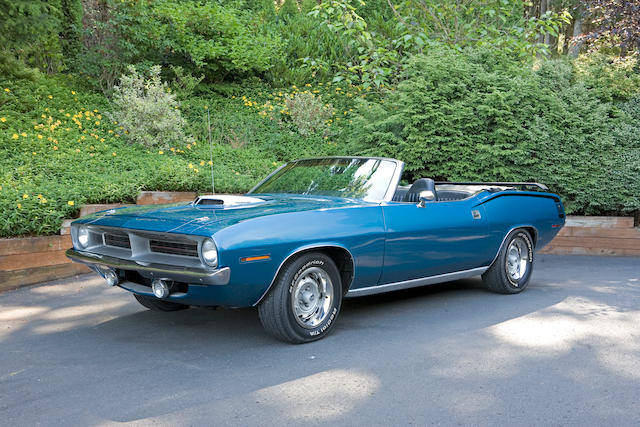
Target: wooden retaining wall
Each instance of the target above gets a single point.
(35, 259)
(596, 236)
(30, 260)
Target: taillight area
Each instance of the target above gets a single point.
(560, 209)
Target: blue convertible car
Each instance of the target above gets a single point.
(315, 231)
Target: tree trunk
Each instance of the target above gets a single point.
(575, 44)
(567, 37)
(543, 10)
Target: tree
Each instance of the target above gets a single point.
(616, 23)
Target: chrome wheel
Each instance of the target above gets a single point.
(517, 260)
(312, 297)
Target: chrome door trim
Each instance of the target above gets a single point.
(406, 284)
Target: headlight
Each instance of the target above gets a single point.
(209, 253)
(83, 236)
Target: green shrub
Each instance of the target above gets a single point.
(471, 116)
(308, 112)
(29, 31)
(612, 78)
(147, 111)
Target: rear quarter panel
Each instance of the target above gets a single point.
(508, 210)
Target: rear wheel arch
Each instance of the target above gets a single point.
(533, 233)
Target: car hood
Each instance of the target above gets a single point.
(188, 218)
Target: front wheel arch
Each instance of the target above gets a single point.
(342, 258)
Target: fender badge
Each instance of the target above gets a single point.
(476, 214)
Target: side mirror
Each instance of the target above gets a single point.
(426, 196)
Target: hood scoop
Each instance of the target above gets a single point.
(227, 201)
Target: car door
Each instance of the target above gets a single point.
(439, 238)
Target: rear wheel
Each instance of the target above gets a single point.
(155, 304)
(511, 271)
(305, 300)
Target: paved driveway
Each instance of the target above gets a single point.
(565, 352)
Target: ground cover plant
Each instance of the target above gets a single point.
(467, 90)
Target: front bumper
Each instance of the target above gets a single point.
(217, 277)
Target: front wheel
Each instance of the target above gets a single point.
(305, 300)
(511, 271)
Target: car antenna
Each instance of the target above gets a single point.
(213, 188)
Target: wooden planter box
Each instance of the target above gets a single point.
(596, 235)
(35, 259)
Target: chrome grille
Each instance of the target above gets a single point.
(174, 248)
(117, 240)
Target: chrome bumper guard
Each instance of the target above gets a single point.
(218, 277)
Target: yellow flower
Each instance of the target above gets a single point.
(190, 165)
(6, 89)
(70, 203)
(73, 92)
(114, 154)
(24, 134)
(95, 111)
(101, 139)
(202, 163)
(15, 136)
(50, 97)
(55, 148)
(173, 149)
(189, 146)
(34, 153)
(19, 205)
(39, 196)
(2, 119)
(43, 200)
(97, 122)
(195, 169)
(206, 108)
(25, 196)
(160, 152)
(39, 136)
(210, 163)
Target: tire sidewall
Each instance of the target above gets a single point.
(520, 284)
(293, 273)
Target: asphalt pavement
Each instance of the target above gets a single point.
(564, 352)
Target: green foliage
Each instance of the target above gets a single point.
(288, 8)
(147, 110)
(184, 83)
(495, 24)
(70, 29)
(78, 160)
(216, 39)
(613, 79)
(308, 113)
(473, 116)
(114, 35)
(29, 31)
(370, 59)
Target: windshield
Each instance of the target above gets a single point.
(366, 179)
